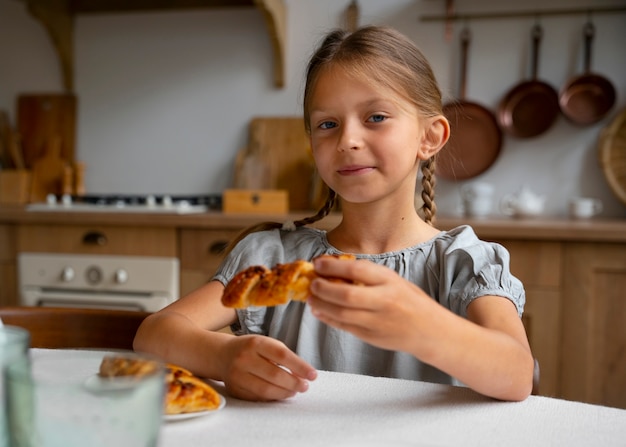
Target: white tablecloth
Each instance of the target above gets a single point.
(342, 410)
(349, 410)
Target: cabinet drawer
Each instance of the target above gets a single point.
(203, 250)
(94, 239)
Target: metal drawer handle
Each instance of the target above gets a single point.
(95, 238)
(217, 248)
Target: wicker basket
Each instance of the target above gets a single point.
(612, 154)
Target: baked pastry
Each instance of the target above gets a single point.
(184, 392)
(116, 366)
(260, 286)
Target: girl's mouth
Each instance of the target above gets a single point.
(354, 170)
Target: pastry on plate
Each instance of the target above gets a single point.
(184, 392)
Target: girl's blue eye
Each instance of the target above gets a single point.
(327, 125)
(377, 118)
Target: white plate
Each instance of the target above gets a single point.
(195, 414)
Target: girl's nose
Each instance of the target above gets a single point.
(350, 138)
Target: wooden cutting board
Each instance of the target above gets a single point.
(282, 147)
(42, 117)
(48, 172)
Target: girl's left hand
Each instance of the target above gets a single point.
(382, 308)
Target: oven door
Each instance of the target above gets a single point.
(97, 281)
(35, 296)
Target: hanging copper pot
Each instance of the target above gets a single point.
(587, 98)
(532, 107)
(475, 137)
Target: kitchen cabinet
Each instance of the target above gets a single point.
(593, 367)
(57, 16)
(8, 271)
(97, 240)
(201, 252)
(538, 266)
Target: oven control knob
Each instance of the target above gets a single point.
(93, 275)
(121, 276)
(67, 274)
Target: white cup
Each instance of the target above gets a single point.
(584, 207)
(477, 199)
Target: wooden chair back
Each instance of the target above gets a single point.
(61, 327)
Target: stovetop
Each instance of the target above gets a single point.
(116, 203)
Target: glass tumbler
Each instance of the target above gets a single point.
(60, 400)
(14, 344)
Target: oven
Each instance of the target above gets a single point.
(78, 266)
(101, 281)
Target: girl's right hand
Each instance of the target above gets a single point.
(261, 368)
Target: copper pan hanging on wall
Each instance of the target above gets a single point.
(531, 107)
(475, 137)
(587, 98)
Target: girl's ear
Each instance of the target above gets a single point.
(436, 134)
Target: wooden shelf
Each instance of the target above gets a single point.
(57, 16)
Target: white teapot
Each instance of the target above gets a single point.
(524, 203)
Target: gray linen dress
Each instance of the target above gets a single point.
(454, 268)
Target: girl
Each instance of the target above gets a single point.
(430, 305)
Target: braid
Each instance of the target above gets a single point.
(265, 226)
(428, 190)
(323, 212)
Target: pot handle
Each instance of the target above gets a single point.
(537, 34)
(589, 32)
(465, 43)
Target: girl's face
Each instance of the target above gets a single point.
(365, 141)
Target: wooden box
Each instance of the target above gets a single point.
(255, 201)
(15, 186)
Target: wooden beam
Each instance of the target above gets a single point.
(99, 6)
(59, 23)
(57, 16)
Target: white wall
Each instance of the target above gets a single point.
(165, 98)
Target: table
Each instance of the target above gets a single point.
(345, 410)
(342, 410)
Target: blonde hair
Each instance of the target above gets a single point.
(384, 57)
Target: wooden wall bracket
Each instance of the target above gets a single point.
(57, 17)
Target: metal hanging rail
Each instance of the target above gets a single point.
(516, 14)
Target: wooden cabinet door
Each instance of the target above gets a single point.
(594, 324)
(201, 252)
(8, 270)
(538, 266)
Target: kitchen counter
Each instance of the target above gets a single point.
(548, 228)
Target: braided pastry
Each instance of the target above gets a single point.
(184, 392)
(259, 286)
(187, 393)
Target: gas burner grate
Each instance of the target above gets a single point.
(179, 204)
(211, 201)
